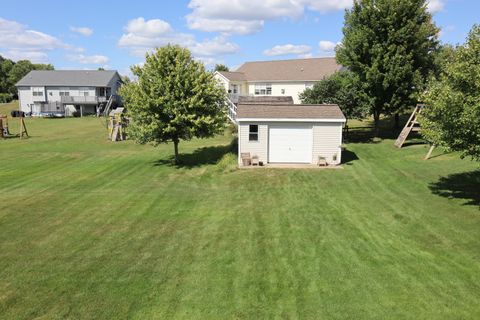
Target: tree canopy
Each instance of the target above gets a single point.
(452, 116)
(11, 72)
(174, 98)
(342, 88)
(390, 46)
(221, 67)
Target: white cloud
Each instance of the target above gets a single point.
(327, 46)
(224, 26)
(213, 47)
(84, 31)
(142, 36)
(435, 6)
(16, 36)
(33, 56)
(93, 59)
(149, 28)
(288, 49)
(246, 17)
(327, 5)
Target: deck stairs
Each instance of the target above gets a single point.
(412, 125)
(108, 107)
(231, 111)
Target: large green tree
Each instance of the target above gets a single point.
(11, 73)
(452, 116)
(174, 98)
(343, 88)
(390, 45)
(6, 66)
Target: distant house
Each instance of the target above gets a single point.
(64, 93)
(286, 133)
(276, 78)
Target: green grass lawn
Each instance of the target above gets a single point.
(94, 229)
(5, 108)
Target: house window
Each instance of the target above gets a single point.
(83, 92)
(253, 132)
(235, 88)
(64, 92)
(37, 92)
(263, 89)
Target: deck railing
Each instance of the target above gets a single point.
(83, 99)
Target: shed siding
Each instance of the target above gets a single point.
(255, 148)
(327, 140)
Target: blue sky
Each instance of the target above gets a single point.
(95, 34)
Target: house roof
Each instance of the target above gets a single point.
(298, 111)
(256, 100)
(74, 78)
(313, 69)
(233, 76)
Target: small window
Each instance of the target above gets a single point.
(283, 91)
(253, 132)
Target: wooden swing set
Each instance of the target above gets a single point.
(116, 125)
(5, 132)
(413, 125)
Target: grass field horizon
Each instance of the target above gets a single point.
(95, 229)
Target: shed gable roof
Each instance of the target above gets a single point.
(74, 78)
(297, 111)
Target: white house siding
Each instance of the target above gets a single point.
(327, 140)
(292, 89)
(255, 148)
(222, 81)
(228, 85)
(25, 98)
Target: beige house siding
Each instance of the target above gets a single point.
(327, 140)
(293, 89)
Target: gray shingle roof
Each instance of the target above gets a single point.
(256, 100)
(297, 111)
(74, 78)
(313, 69)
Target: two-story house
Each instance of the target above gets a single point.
(66, 92)
(276, 78)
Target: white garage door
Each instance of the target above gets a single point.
(290, 143)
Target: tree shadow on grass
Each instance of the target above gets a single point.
(202, 156)
(465, 185)
(348, 157)
(366, 132)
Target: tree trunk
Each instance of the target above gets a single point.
(175, 146)
(397, 121)
(376, 120)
